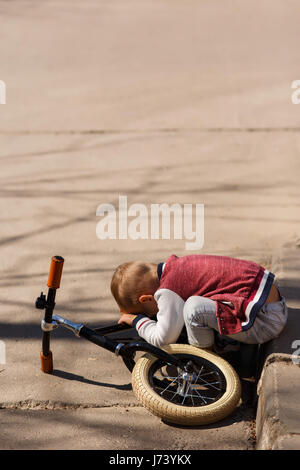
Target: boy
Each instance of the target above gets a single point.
(235, 297)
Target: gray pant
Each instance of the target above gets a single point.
(200, 321)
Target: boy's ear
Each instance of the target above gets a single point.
(145, 298)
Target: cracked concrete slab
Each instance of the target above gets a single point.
(124, 428)
(152, 102)
(279, 408)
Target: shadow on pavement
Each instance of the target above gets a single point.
(80, 378)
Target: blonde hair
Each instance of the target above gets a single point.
(131, 280)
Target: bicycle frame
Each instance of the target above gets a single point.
(97, 336)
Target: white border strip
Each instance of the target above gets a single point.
(256, 297)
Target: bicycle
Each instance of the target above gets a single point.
(179, 383)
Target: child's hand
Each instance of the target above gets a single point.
(127, 318)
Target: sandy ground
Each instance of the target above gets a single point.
(159, 101)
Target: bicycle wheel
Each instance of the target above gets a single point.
(209, 392)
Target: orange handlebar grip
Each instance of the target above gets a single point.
(56, 267)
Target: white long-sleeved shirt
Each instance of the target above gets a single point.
(169, 324)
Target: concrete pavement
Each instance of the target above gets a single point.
(160, 101)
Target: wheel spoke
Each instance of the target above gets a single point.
(169, 385)
(188, 388)
(208, 373)
(199, 394)
(174, 395)
(210, 383)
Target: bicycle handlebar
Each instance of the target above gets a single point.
(56, 267)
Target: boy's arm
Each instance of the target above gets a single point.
(169, 324)
(127, 318)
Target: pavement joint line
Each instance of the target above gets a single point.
(150, 130)
(53, 406)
